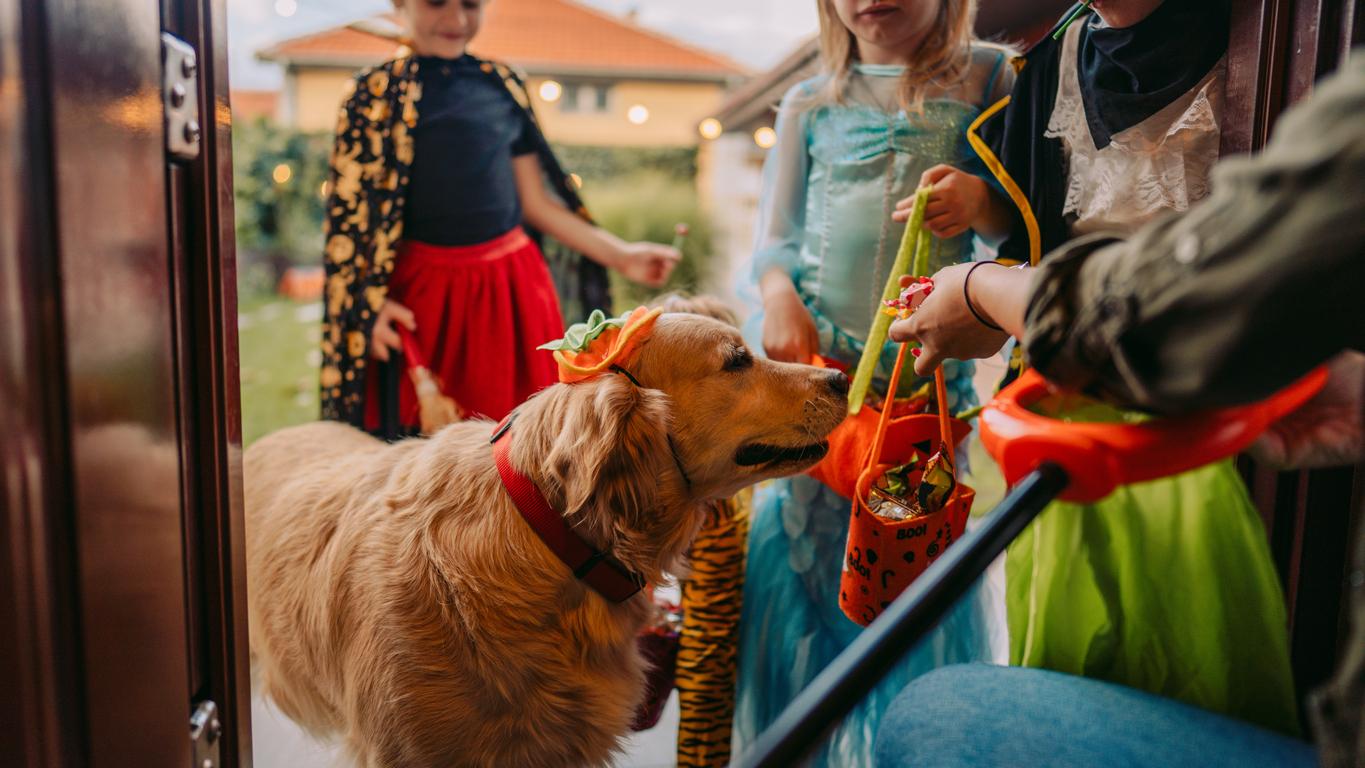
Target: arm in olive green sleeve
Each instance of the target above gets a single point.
(1234, 299)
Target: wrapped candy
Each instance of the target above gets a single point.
(905, 303)
(904, 494)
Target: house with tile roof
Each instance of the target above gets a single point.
(596, 79)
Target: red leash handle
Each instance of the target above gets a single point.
(1099, 457)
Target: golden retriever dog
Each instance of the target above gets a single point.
(400, 601)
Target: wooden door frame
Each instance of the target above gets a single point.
(1277, 51)
(210, 389)
(95, 644)
(38, 648)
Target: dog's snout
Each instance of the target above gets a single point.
(837, 382)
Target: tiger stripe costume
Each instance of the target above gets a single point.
(711, 597)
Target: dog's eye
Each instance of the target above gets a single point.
(738, 359)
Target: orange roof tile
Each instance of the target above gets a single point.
(337, 46)
(249, 105)
(557, 36)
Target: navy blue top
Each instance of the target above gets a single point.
(462, 190)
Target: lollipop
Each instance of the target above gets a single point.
(1082, 8)
(680, 232)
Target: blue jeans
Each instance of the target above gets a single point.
(980, 715)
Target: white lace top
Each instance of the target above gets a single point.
(1161, 164)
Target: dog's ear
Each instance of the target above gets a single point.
(612, 446)
(606, 461)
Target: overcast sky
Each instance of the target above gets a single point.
(757, 33)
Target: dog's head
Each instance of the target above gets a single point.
(629, 460)
(737, 417)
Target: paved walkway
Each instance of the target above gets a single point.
(278, 743)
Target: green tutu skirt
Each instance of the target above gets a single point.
(1166, 586)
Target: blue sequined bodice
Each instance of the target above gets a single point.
(862, 161)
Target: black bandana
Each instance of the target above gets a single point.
(1127, 75)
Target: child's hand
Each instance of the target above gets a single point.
(384, 337)
(945, 327)
(1325, 431)
(957, 202)
(648, 263)
(789, 334)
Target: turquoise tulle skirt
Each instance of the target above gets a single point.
(791, 626)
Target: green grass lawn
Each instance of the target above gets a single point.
(278, 341)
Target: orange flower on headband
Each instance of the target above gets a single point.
(593, 347)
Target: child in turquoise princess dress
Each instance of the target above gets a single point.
(902, 82)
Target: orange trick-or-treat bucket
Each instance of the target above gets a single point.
(885, 551)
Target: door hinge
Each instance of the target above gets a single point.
(180, 92)
(206, 732)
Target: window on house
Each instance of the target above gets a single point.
(586, 97)
(569, 101)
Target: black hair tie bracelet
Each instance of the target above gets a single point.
(966, 281)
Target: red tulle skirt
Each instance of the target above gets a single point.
(481, 312)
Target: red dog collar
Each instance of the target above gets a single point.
(607, 577)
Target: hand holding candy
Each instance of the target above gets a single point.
(944, 325)
(914, 290)
(648, 263)
(1326, 431)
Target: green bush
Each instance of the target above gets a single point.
(648, 206)
(637, 193)
(600, 165)
(278, 224)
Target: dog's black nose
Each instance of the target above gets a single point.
(837, 382)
